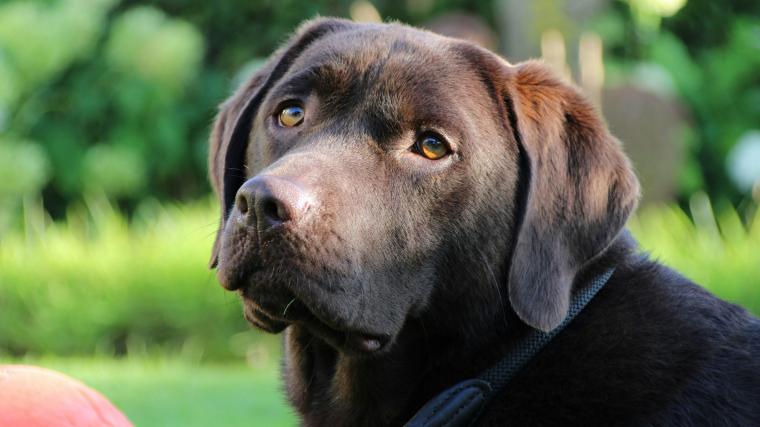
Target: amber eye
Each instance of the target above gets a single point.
(431, 147)
(291, 116)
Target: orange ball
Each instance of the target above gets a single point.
(36, 397)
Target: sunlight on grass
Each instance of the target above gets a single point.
(718, 253)
(98, 284)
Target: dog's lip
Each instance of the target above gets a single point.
(261, 319)
(354, 340)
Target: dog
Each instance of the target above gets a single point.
(408, 208)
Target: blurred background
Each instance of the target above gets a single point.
(106, 217)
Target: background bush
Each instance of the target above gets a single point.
(98, 284)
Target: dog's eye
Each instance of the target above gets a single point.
(291, 116)
(431, 147)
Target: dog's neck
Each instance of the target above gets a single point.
(331, 388)
(432, 352)
(328, 387)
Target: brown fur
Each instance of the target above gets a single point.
(444, 263)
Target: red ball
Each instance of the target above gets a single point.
(36, 397)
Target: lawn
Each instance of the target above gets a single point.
(169, 393)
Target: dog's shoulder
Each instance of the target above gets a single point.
(719, 367)
(653, 348)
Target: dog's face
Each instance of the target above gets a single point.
(366, 168)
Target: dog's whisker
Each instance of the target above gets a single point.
(285, 311)
(493, 280)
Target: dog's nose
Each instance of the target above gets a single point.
(269, 201)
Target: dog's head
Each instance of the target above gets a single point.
(367, 171)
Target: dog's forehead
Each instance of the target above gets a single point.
(391, 75)
(370, 45)
(382, 59)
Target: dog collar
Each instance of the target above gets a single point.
(462, 404)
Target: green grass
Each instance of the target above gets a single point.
(168, 392)
(719, 253)
(98, 284)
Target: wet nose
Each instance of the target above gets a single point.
(269, 201)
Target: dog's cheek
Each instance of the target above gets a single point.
(478, 225)
(388, 245)
(416, 232)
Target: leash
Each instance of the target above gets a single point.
(462, 404)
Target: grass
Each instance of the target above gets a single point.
(98, 284)
(74, 294)
(168, 392)
(716, 251)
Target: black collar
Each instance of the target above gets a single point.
(462, 404)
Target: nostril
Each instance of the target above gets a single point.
(242, 204)
(274, 210)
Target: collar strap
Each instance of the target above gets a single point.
(462, 404)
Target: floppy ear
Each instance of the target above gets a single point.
(232, 127)
(580, 190)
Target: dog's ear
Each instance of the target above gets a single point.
(579, 190)
(232, 127)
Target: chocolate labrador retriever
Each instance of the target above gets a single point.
(418, 214)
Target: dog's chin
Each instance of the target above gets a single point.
(350, 341)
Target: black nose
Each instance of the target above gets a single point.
(269, 201)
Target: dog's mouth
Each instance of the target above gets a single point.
(273, 317)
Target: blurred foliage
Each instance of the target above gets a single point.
(112, 99)
(708, 56)
(718, 253)
(97, 284)
(116, 96)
